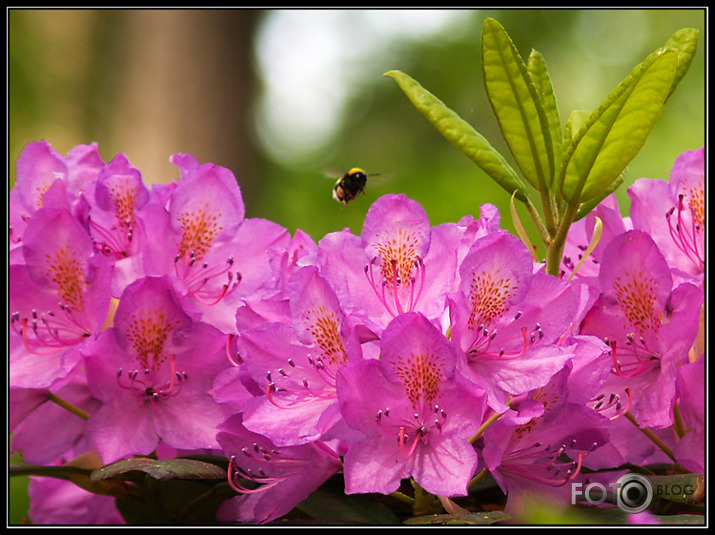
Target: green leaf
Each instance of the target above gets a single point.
(685, 41)
(616, 131)
(576, 120)
(517, 104)
(536, 67)
(469, 519)
(159, 469)
(461, 134)
(59, 472)
(585, 208)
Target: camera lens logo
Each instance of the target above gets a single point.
(633, 493)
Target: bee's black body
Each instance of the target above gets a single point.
(350, 185)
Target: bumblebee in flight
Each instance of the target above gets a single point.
(350, 185)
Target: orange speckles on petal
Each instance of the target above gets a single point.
(636, 296)
(523, 430)
(547, 397)
(123, 192)
(148, 331)
(488, 296)
(398, 254)
(39, 193)
(200, 225)
(324, 325)
(66, 270)
(421, 375)
(695, 197)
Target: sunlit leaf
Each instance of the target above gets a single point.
(536, 67)
(576, 120)
(461, 134)
(517, 104)
(617, 130)
(585, 208)
(685, 41)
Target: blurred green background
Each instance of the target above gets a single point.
(289, 100)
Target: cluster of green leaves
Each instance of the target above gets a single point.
(564, 172)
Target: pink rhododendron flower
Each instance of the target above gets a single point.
(152, 371)
(295, 363)
(271, 480)
(59, 298)
(673, 214)
(581, 234)
(46, 179)
(650, 325)
(415, 412)
(214, 256)
(527, 458)
(399, 263)
(113, 200)
(505, 319)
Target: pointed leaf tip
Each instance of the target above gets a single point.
(461, 134)
(518, 106)
(615, 132)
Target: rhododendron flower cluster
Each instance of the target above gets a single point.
(169, 324)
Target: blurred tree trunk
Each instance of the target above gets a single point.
(187, 83)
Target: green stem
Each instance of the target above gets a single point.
(67, 405)
(678, 424)
(652, 436)
(546, 207)
(555, 207)
(555, 248)
(476, 479)
(493, 418)
(404, 498)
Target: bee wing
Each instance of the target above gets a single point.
(332, 174)
(378, 179)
